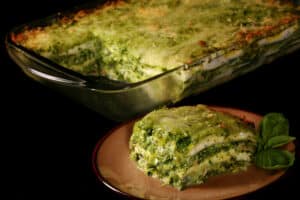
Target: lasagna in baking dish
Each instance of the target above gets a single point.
(185, 146)
(135, 40)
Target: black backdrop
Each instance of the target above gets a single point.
(48, 139)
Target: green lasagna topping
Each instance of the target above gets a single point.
(134, 40)
(185, 146)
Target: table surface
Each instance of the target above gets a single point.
(50, 139)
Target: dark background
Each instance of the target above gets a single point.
(48, 139)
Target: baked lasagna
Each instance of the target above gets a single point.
(185, 146)
(135, 40)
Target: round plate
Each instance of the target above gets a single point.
(115, 169)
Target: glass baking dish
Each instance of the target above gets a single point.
(119, 100)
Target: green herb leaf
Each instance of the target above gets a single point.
(260, 144)
(274, 124)
(278, 141)
(274, 159)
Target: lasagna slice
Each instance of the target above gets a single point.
(135, 40)
(185, 146)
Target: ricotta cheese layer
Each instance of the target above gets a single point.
(185, 146)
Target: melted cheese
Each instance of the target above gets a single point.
(143, 38)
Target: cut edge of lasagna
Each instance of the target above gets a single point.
(185, 146)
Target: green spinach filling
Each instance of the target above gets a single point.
(134, 40)
(184, 146)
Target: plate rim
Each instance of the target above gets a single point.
(94, 162)
(105, 182)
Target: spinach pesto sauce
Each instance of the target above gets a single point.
(186, 145)
(136, 39)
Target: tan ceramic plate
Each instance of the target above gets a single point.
(114, 168)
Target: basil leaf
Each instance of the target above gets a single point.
(274, 124)
(260, 144)
(278, 141)
(274, 159)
